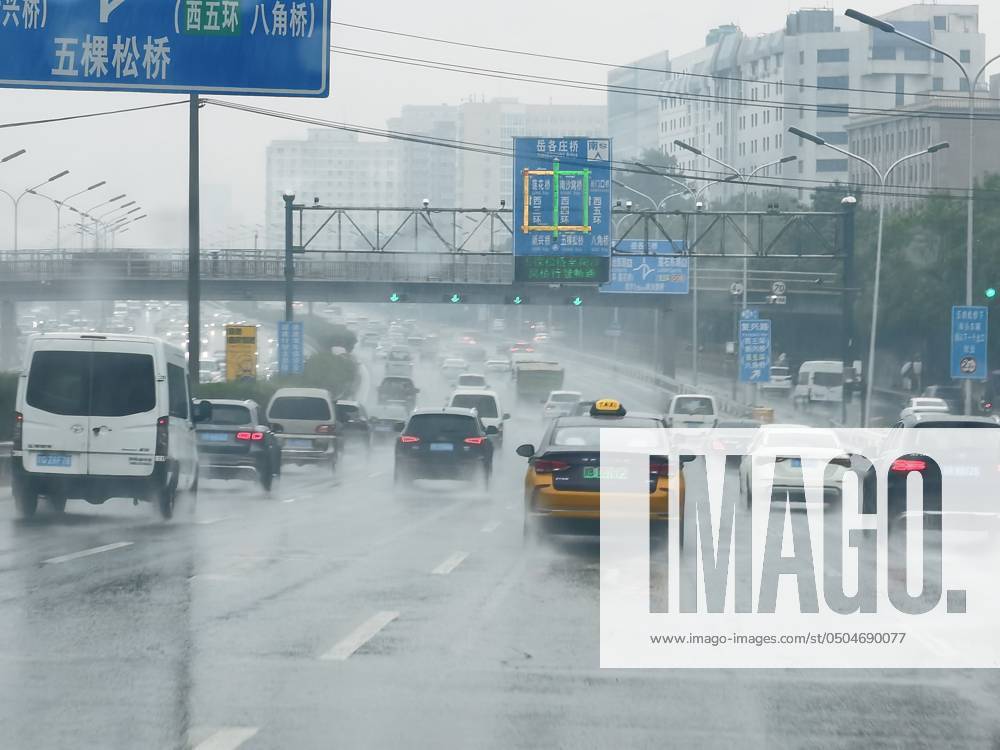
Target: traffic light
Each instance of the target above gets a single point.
(516, 299)
(576, 301)
(397, 297)
(991, 292)
(454, 299)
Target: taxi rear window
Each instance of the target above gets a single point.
(589, 436)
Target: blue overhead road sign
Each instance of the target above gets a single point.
(969, 334)
(755, 351)
(265, 47)
(664, 271)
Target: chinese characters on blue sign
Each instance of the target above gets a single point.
(268, 47)
(755, 351)
(562, 197)
(750, 313)
(969, 332)
(662, 272)
(291, 355)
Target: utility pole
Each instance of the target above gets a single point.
(289, 257)
(194, 247)
(849, 204)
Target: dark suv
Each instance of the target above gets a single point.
(353, 424)
(449, 443)
(235, 444)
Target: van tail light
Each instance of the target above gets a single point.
(324, 429)
(249, 436)
(905, 465)
(162, 437)
(475, 441)
(548, 466)
(18, 430)
(409, 439)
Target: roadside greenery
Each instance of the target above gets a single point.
(336, 373)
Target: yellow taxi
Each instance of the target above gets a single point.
(563, 480)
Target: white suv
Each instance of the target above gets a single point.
(102, 416)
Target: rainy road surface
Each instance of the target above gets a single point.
(343, 613)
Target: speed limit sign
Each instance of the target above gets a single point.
(778, 288)
(736, 289)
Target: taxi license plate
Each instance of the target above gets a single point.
(300, 443)
(604, 472)
(443, 447)
(54, 459)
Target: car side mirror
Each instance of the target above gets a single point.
(525, 451)
(201, 411)
(492, 430)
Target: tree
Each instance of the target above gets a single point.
(635, 176)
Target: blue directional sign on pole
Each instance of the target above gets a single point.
(755, 351)
(255, 47)
(969, 334)
(562, 209)
(291, 354)
(664, 271)
(750, 313)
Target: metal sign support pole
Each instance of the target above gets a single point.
(194, 249)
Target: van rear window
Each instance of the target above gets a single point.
(300, 407)
(99, 384)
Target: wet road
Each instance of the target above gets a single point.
(342, 613)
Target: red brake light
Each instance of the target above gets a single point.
(18, 430)
(547, 466)
(409, 439)
(475, 440)
(904, 465)
(257, 436)
(162, 437)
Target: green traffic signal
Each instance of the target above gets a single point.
(576, 301)
(991, 292)
(517, 300)
(455, 299)
(394, 297)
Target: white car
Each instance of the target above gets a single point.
(787, 446)
(102, 416)
(780, 380)
(487, 406)
(452, 367)
(305, 423)
(924, 405)
(561, 404)
(497, 365)
(692, 410)
(471, 380)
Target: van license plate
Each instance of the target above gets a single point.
(54, 459)
(308, 444)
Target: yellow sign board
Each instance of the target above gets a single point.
(241, 353)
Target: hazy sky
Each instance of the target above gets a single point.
(145, 154)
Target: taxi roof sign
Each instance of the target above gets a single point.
(607, 407)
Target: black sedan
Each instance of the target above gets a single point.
(236, 444)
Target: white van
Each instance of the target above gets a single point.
(692, 410)
(819, 382)
(102, 416)
(487, 405)
(304, 421)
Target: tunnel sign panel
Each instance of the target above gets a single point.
(562, 209)
(265, 47)
(969, 333)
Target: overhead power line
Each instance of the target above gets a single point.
(87, 115)
(634, 167)
(640, 68)
(763, 104)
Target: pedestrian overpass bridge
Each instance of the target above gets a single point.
(366, 276)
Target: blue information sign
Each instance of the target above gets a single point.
(755, 351)
(751, 313)
(265, 47)
(662, 272)
(291, 354)
(969, 334)
(562, 197)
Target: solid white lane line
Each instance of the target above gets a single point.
(491, 527)
(227, 738)
(360, 636)
(86, 553)
(450, 564)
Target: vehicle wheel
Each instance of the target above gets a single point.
(25, 499)
(166, 499)
(56, 503)
(264, 475)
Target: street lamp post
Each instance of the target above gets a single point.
(96, 219)
(883, 178)
(64, 202)
(972, 81)
(28, 191)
